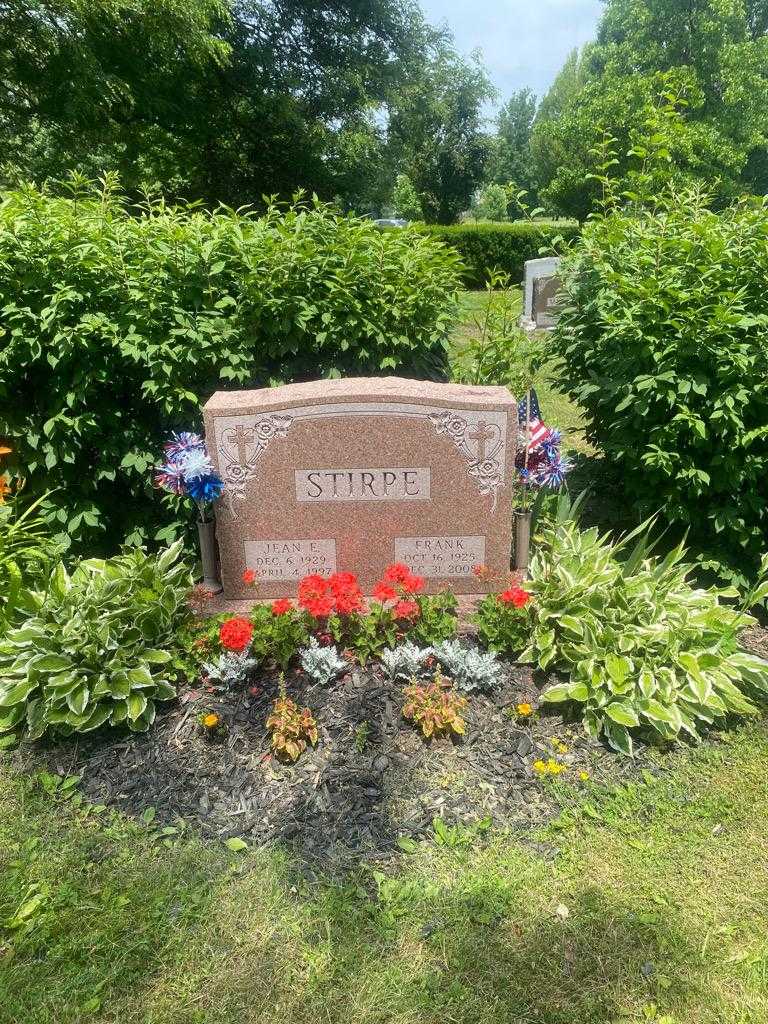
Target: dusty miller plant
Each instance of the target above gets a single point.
(469, 668)
(405, 661)
(230, 669)
(322, 664)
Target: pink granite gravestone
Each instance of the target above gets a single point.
(350, 475)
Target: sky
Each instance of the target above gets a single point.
(524, 42)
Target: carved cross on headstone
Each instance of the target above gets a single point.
(242, 439)
(482, 434)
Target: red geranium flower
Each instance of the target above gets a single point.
(319, 607)
(406, 610)
(311, 588)
(396, 573)
(281, 606)
(249, 576)
(236, 634)
(383, 592)
(349, 602)
(413, 585)
(515, 596)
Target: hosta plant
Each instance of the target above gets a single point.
(291, 727)
(434, 708)
(469, 668)
(640, 645)
(93, 652)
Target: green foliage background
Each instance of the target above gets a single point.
(506, 247)
(117, 323)
(665, 340)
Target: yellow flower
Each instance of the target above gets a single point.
(540, 767)
(584, 776)
(524, 710)
(211, 721)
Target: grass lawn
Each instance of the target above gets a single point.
(646, 902)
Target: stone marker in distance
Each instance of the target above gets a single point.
(351, 475)
(541, 294)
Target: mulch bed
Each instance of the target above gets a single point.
(338, 804)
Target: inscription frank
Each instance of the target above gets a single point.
(440, 556)
(389, 484)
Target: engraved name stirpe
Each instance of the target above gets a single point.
(242, 447)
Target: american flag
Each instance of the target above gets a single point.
(528, 409)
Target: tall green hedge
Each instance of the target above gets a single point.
(665, 340)
(483, 247)
(116, 323)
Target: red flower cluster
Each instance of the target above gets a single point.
(406, 610)
(281, 606)
(249, 577)
(398, 584)
(236, 634)
(339, 593)
(515, 596)
(402, 576)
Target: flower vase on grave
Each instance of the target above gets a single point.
(206, 531)
(522, 519)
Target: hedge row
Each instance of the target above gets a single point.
(504, 246)
(117, 323)
(664, 337)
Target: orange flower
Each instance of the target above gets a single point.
(211, 721)
(4, 450)
(396, 573)
(5, 488)
(515, 596)
(236, 634)
(524, 710)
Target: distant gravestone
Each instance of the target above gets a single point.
(541, 294)
(351, 475)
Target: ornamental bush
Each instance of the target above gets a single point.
(665, 339)
(505, 247)
(117, 322)
(639, 645)
(94, 650)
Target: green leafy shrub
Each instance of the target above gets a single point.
(639, 644)
(664, 337)
(117, 322)
(502, 625)
(505, 247)
(438, 619)
(93, 651)
(26, 556)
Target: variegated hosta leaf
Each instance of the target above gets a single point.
(94, 652)
(651, 651)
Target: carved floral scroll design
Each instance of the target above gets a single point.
(480, 444)
(240, 450)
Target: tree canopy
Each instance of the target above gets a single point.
(709, 56)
